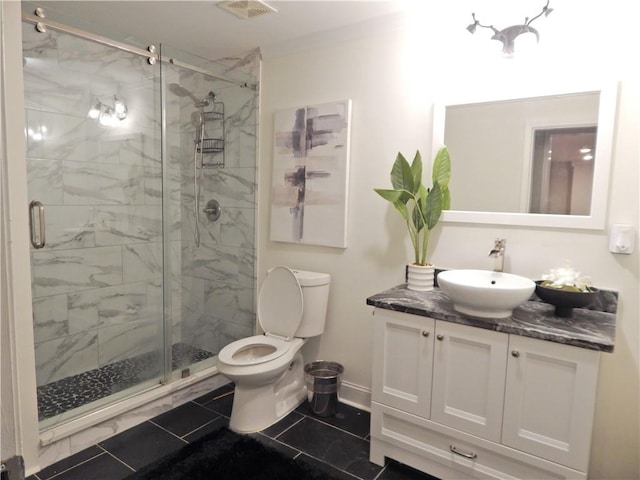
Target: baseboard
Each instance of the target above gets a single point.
(355, 395)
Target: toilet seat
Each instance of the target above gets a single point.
(240, 352)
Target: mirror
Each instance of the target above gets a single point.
(533, 160)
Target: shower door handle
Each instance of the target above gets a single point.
(38, 239)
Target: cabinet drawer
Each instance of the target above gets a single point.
(465, 454)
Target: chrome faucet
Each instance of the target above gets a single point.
(498, 254)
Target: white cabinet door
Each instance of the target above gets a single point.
(402, 361)
(468, 379)
(550, 400)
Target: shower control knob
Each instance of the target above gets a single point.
(212, 210)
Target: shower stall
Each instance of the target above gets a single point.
(142, 183)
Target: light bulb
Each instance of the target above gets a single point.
(107, 117)
(94, 112)
(120, 108)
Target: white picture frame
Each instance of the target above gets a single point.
(309, 193)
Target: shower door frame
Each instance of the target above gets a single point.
(16, 294)
(30, 442)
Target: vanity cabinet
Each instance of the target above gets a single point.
(454, 400)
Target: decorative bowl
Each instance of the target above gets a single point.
(565, 301)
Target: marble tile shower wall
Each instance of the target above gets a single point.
(218, 276)
(102, 192)
(102, 189)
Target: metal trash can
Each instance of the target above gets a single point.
(323, 380)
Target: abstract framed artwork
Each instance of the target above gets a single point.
(310, 181)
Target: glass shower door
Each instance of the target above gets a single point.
(211, 122)
(95, 186)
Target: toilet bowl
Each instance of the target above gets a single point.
(268, 369)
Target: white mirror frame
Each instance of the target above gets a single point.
(602, 167)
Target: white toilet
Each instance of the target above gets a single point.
(268, 370)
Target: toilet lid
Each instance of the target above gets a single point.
(280, 303)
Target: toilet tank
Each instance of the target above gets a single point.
(315, 296)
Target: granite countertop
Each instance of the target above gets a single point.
(592, 328)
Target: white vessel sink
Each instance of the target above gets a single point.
(483, 293)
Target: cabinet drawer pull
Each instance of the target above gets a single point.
(515, 353)
(425, 333)
(440, 337)
(455, 450)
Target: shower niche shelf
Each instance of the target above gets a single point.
(211, 146)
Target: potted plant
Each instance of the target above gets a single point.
(420, 207)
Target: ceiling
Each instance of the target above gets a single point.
(204, 29)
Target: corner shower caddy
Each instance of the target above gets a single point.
(211, 145)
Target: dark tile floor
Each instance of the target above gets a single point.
(339, 445)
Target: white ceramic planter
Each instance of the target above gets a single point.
(420, 277)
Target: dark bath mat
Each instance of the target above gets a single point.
(225, 455)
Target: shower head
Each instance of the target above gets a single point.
(180, 91)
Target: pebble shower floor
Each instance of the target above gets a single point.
(72, 392)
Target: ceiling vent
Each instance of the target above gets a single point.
(247, 8)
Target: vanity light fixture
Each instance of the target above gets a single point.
(108, 115)
(508, 35)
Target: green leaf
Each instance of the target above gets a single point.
(419, 208)
(418, 219)
(416, 169)
(446, 199)
(402, 208)
(433, 206)
(390, 195)
(401, 174)
(442, 168)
